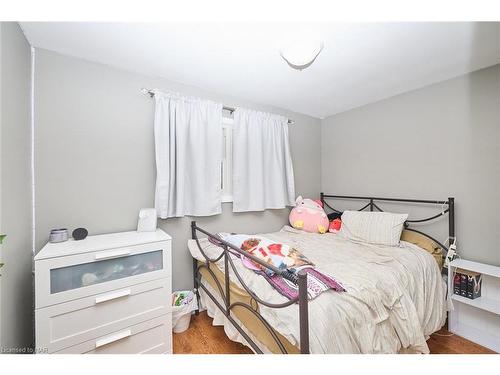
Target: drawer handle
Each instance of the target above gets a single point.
(113, 338)
(111, 296)
(112, 254)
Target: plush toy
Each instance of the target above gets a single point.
(309, 215)
(335, 225)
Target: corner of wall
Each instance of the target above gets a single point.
(1, 27)
(15, 187)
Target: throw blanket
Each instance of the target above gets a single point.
(285, 258)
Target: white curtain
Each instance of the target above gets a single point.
(262, 163)
(188, 144)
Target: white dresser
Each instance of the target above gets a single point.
(109, 293)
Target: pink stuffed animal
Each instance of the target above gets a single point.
(309, 215)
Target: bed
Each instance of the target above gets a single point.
(395, 296)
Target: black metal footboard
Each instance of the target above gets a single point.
(225, 295)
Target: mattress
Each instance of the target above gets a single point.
(395, 296)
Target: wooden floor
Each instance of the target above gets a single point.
(203, 338)
(454, 344)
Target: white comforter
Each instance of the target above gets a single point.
(395, 295)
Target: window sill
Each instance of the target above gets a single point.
(227, 199)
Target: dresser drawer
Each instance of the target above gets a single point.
(76, 276)
(152, 336)
(68, 324)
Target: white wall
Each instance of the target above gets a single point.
(15, 195)
(94, 151)
(439, 141)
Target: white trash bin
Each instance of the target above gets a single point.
(181, 314)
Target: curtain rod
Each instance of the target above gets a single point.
(226, 108)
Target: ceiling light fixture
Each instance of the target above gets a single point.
(302, 53)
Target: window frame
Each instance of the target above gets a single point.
(227, 162)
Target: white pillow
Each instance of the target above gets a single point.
(379, 228)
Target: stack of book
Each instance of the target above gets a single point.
(467, 283)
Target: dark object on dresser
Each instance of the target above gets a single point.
(80, 234)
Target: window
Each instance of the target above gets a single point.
(227, 156)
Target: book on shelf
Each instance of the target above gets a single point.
(463, 284)
(456, 283)
(467, 283)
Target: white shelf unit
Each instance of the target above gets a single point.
(482, 303)
(477, 319)
(485, 269)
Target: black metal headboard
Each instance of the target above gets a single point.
(448, 208)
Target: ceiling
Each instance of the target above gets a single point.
(360, 64)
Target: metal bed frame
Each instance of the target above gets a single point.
(300, 279)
